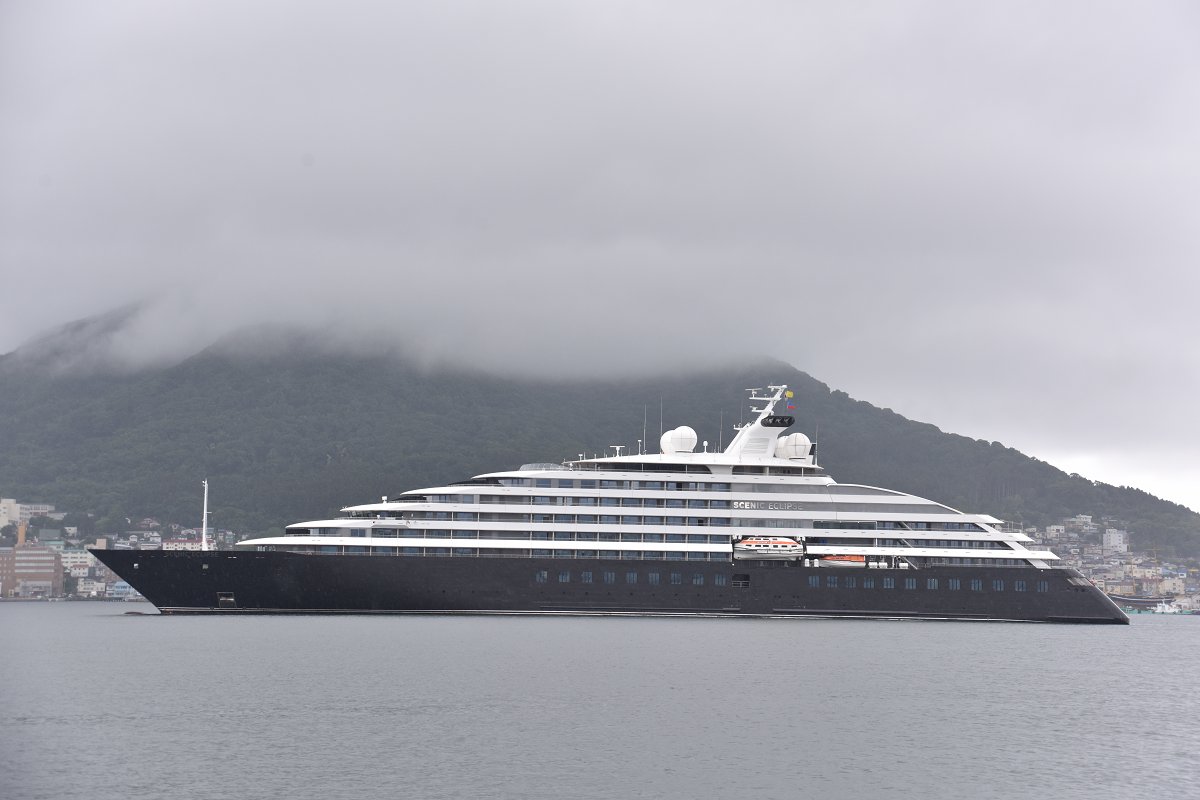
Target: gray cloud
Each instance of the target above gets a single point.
(984, 217)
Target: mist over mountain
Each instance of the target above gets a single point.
(287, 427)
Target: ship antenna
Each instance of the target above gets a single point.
(660, 418)
(204, 519)
(645, 412)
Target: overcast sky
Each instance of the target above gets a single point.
(985, 216)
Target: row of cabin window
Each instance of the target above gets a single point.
(982, 544)
(890, 525)
(506, 552)
(581, 536)
(587, 483)
(988, 544)
(742, 522)
(977, 562)
(657, 466)
(568, 501)
(814, 581)
(932, 584)
(569, 519)
(633, 519)
(630, 578)
(553, 536)
(623, 502)
(670, 486)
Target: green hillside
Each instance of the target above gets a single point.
(295, 435)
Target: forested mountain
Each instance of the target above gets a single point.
(292, 433)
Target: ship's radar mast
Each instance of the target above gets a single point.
(759, 438)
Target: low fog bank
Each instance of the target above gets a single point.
(165, 331)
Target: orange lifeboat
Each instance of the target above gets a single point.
(844, 561)
(768, 547)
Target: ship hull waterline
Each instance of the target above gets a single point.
(232, 582)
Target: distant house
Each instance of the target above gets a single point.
(121, 590)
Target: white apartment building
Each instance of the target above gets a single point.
(1116, 541)
(14, 512)
(180, 544)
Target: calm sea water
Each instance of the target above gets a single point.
(95, 703)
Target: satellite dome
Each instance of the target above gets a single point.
(679, 440)
(794, 445)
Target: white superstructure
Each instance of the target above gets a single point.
(676, 504)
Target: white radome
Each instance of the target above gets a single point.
(679, 440)
(794, 445)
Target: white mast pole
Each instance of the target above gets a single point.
(204, 519)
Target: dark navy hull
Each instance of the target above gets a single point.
(278, 582)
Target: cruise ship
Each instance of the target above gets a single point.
(757, 529)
